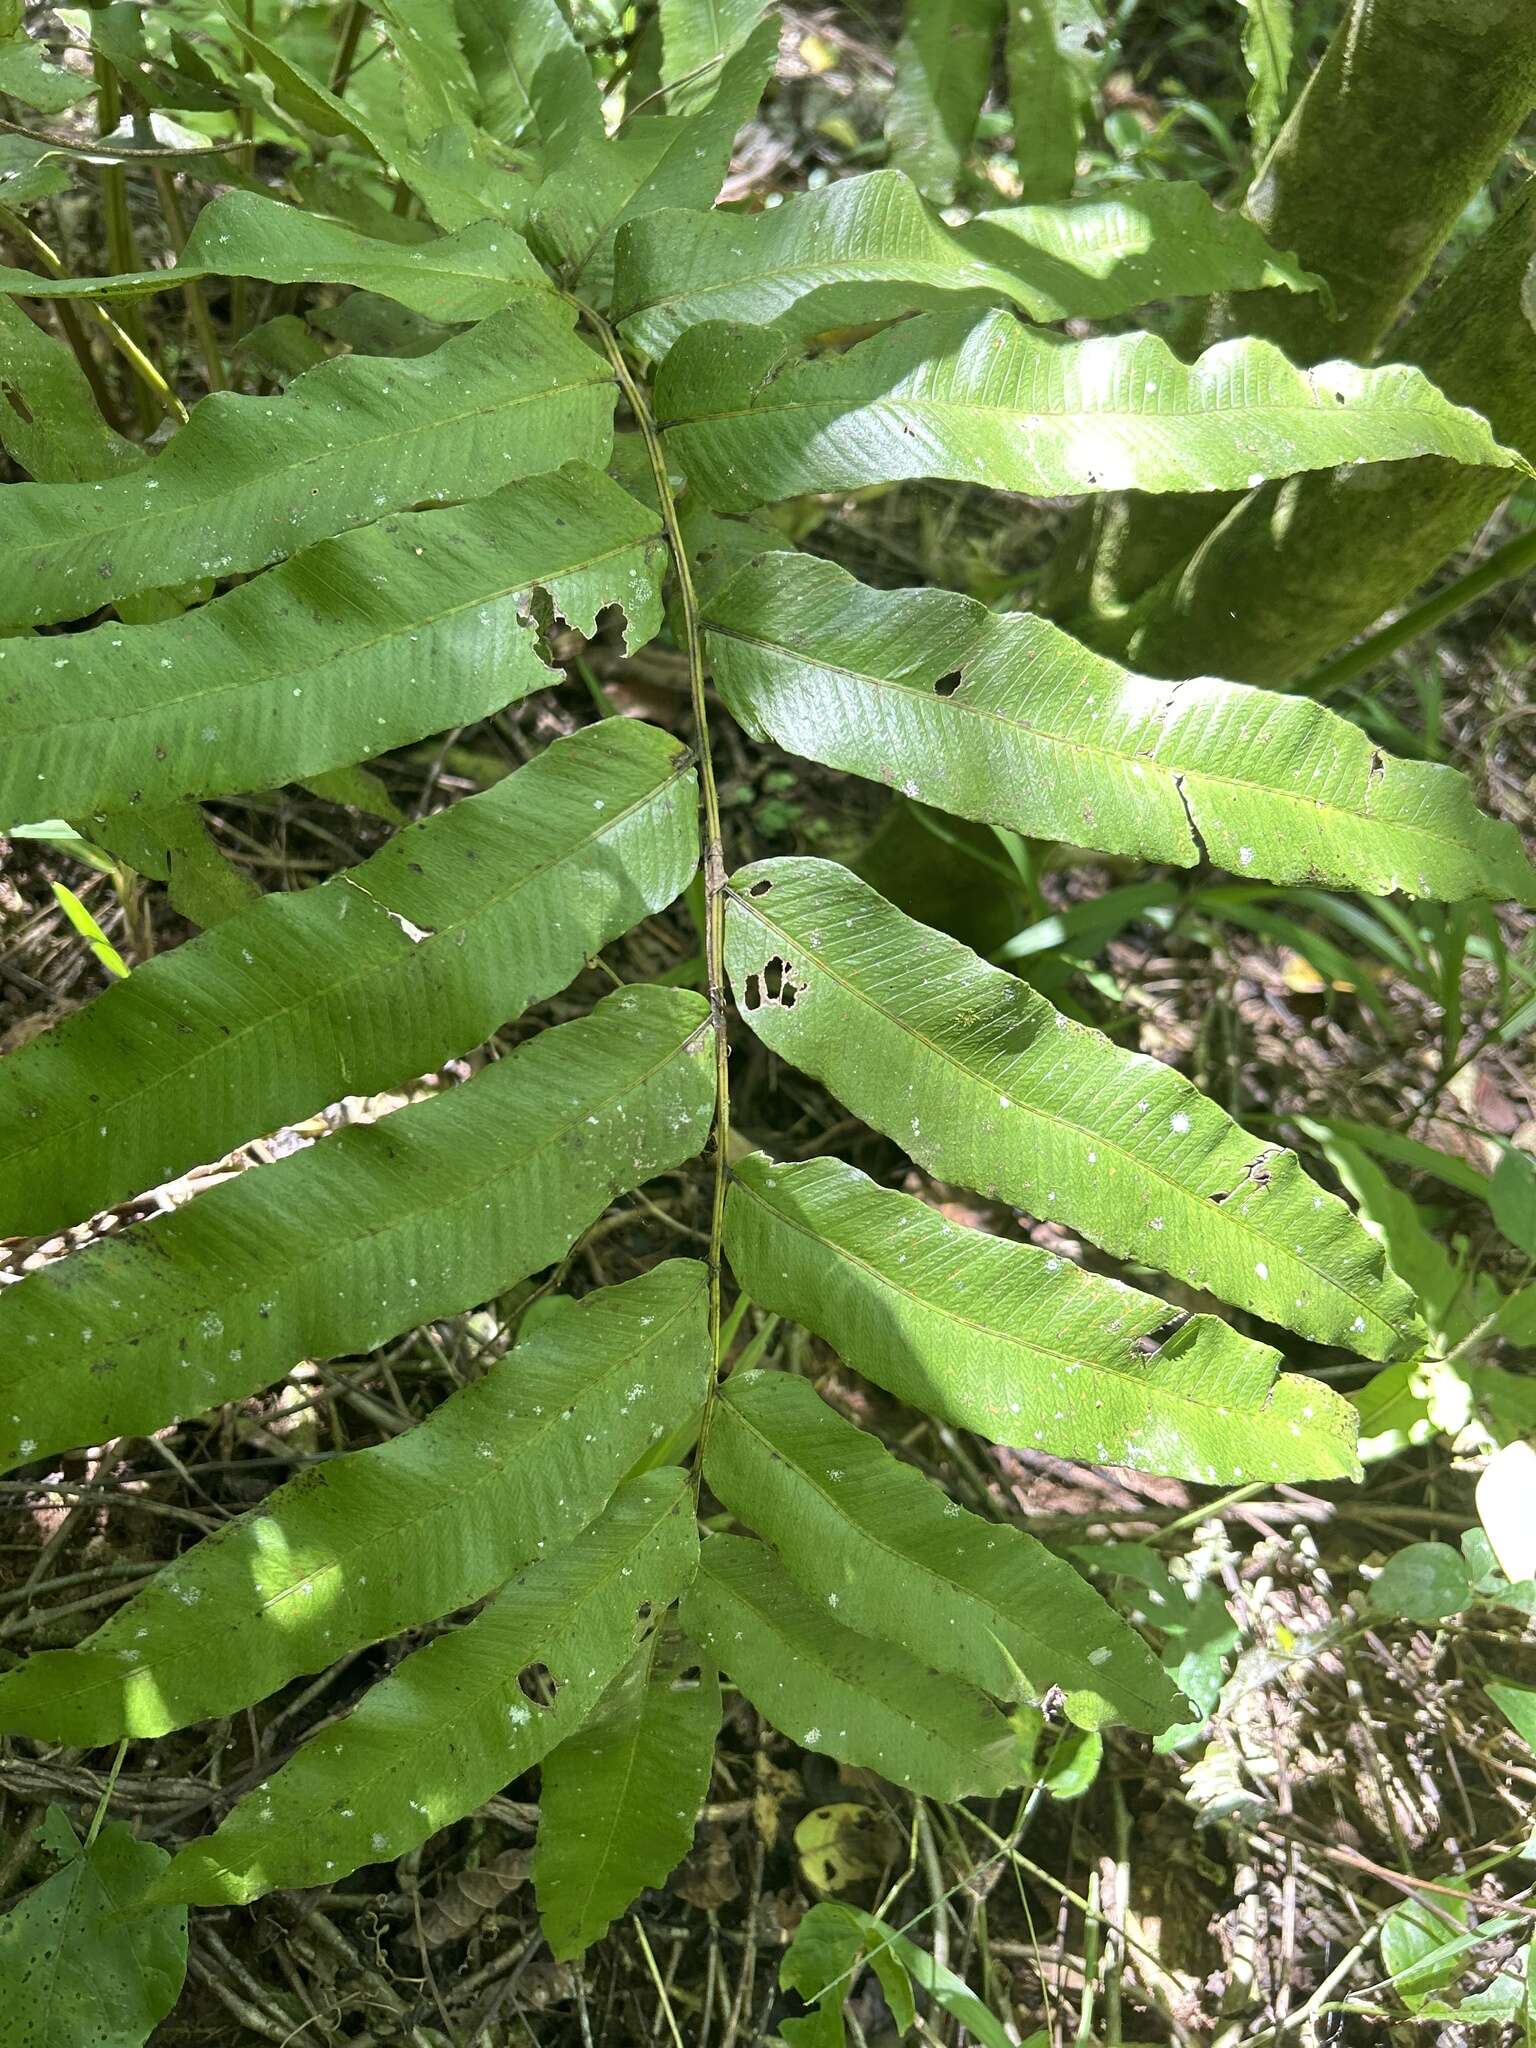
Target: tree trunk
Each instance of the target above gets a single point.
(1398, 129)
(1299, 567)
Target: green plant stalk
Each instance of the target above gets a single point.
(1502, 566)
(346, 49)
(143, 369)
(714, 852)
(122, 251)
(1298, 568)
(196, 301)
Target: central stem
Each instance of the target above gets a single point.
(714, 853)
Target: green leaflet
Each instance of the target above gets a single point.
(49, 422)
(618, 1801)
(533, 76)
(368, 1233)
(458, 277)
(426, 39)
(1047, 737)
(80, 1966)
(26, 75)
(830, 1941)
(864, 1702)
(451, 1725)
(866, 249)
(986, 400)
(1268, 31)
(697, 36)
(358, 644)
(983, 1082)
(878, 1544)
(1051, 61)
(1022, 1346)
(249, 480)
(943, 69)
(510, 1467)
(378, 975)
(172, 844)
(654, 160)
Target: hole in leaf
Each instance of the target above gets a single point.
(536, 1682)
(946, 686)
(760, 887)
(17, 403)
(778, 987)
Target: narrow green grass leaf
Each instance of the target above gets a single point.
(368, 1233)
(1043, 735)
(361, 643)
(864, 1702)
(507, 1469)
(943, 69)
(1017, 1344)
(81, 920)
(376, 976)
(250, 480)
(618, 1801)
(986, 1084)
(459, 277)
(987, 400)
(892, 1556)
(451, 1725)
(866, 249)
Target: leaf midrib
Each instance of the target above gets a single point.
(1061, 1123)
(403, 1218)
(958, 704)
(868, 1536)
(185, 505)
(359, 978)
(997, 1335)
(354, 650)
(449, 1500)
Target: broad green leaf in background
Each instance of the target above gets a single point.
(1016, 1343)
(943, 69)
(1517, 1703)
(250, 479)
(534, 79)
(376, 976)
(893, 1557)
(26, 75)
(982, 1081)
(654, 160)
(618, 1801)
(30, 171)
(1424, 1943)
(82, 1965)
(375, 1230)
(459, 277)
(830, 1940)
(506, 1470)
(302, 100)
(1043, 735)
(441, 90)
(864, 1702)
(1268, 30)
(49, 422)
(171, 843)
(451, 1724)
(358, 644)
(1052, 57)
(1423, 1582)
(865, 249)
(984, 399)
(697, 36)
